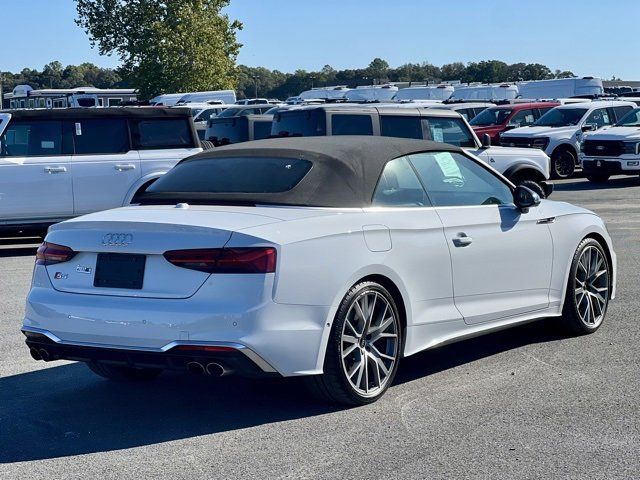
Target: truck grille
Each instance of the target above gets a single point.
(516, 142)
(603, 148)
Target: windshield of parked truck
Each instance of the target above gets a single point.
(299, 123)
(631, 119)
(491, 116)
(561, 117)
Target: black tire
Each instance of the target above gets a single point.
(206, 145)
(333, 385)
(124, 374)
(563, 163)
(572, 320)
(597, 177)
(534, 186)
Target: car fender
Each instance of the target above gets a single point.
(356, 277)
(525, 165)
(139, 183)
(570, 227)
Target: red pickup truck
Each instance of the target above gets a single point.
(498, 119)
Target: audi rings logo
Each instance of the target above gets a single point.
(117, 239)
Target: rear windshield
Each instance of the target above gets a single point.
(228, 130)
(233, 175)
(299, 123)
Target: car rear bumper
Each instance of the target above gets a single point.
(231, 357)
(610, 167)
(289, 338)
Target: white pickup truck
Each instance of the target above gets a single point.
(612, 151)
(559, 131)
(57, 164)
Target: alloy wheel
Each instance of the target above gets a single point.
(591, 285)
(369, 343)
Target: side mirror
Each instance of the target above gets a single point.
(525, 198)
(486, 140)
(589, 127)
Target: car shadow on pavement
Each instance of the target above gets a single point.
(67, 410)
(459, 353)
(583, 184)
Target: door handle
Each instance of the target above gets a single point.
(121, 167)
(462, 240)
(55, 169)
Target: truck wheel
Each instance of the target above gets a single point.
(597, 177)
(563, 163)
(533, 185)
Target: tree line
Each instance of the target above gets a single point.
(277, 84)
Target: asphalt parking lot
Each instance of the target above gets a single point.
(522, 403)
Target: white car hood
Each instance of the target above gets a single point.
(535, 132)
(516, 152)
(616, 133)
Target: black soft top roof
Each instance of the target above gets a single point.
(107, 112)
(344, 174)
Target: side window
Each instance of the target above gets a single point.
(164, 133)
(522, 118)
(400, 126)
(399, 186)
(351, 124)
(465, 113)
(35, 138)
(100, 136)
(449, 130)
(452, 179)
(621, 111)
(599, 118)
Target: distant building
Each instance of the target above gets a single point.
(23, 96)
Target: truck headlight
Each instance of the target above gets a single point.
(540, 143)
(631, 148)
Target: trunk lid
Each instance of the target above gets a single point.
(146, 232)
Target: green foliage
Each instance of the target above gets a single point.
(54, 75)
(165, 45)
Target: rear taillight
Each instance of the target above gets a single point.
(225, 260)
(50, 253)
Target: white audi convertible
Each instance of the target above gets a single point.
(331, 258)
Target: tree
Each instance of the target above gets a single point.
(378, 69)
(165, 45)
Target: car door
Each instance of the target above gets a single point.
(35, 171)
(501, 258)
(105, 167)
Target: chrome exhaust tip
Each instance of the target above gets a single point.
(217, 370)
(195, 368)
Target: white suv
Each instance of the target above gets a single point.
(559, 131)
(57, 164)
(520, 165)
(612, 151)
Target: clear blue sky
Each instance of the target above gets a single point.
(588, 37)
